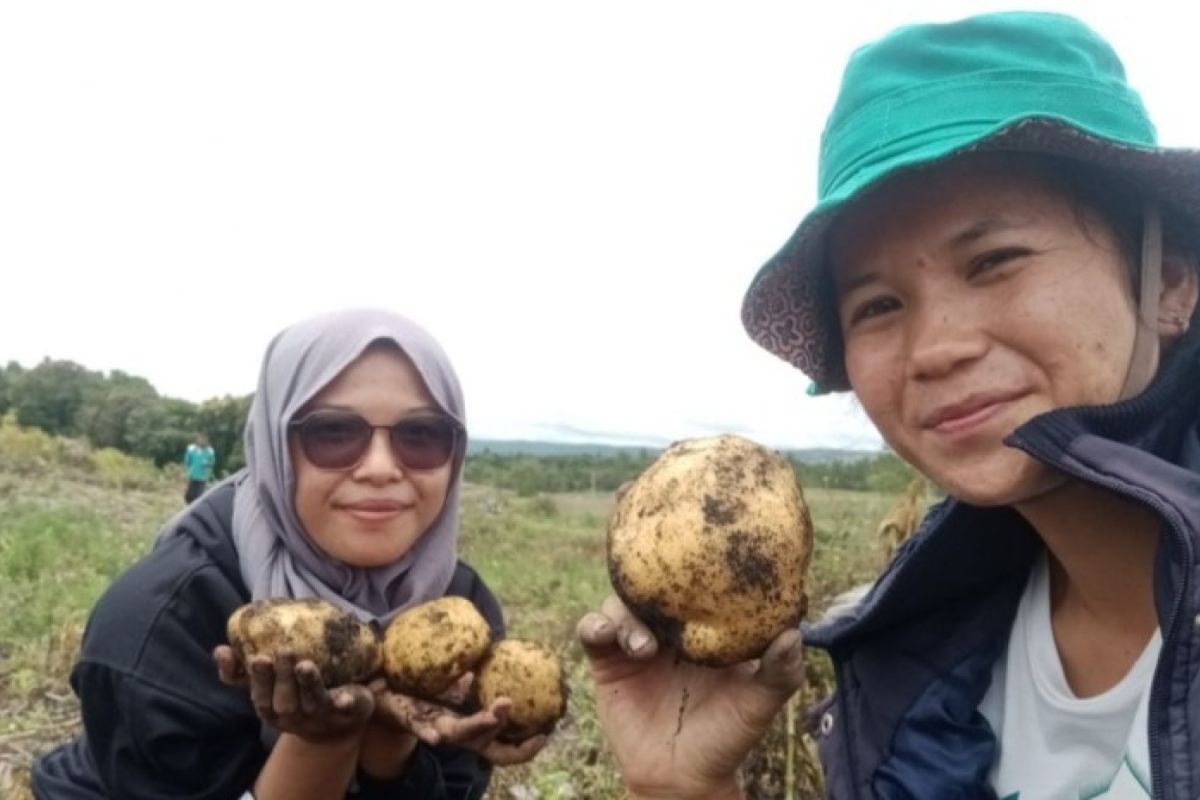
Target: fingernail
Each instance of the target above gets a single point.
(638, 640)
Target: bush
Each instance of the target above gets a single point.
(116, 469)
(27, 451)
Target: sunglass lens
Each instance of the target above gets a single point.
(424, 443)
(334, 441)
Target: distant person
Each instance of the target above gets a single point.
(1002, 267)
(199, 460)
(354, 452)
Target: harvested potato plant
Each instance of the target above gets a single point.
(710, 546)
(529, 675)
(430, 646)
(342, 647)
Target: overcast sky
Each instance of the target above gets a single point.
(571, 196)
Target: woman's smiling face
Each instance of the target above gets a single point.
(972, 297)
(371, 514)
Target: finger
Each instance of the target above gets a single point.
(353, 701)
(458, 693)
(417, 717)
(478, 728)
(597, 633)
(314, 699)
(614, 631)
(782, 666)
(286, 699)
(503, 754)
(635, 638)
(262, 686)
(229, 666)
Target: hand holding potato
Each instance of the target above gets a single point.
(437, 724)
(678, 729)
(707, 552)
(291, 697)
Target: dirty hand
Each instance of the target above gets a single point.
(291, 697)
(677, 729)
(435, 724)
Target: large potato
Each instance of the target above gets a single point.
(710, 546)
(343, 648)
(429, 647)
(529, 675)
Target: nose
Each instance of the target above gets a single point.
(379, 464)
(943, 339)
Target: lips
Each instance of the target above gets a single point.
(374, 510)
(967, 413)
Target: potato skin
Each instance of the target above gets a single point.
(532, 677)
(344, 648)
(710, 547)
(428, 647)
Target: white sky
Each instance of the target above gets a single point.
(571, 196)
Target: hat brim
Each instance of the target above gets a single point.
(787, 310)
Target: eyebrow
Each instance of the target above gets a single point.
(968, 235)
(983, 227)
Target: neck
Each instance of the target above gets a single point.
(1102, 579)
(1102, 549)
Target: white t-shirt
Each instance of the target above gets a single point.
(1054, 745)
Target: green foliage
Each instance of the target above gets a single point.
(7, 376)
(122, 471)
(54, 563)
(881, 473)
(121, 411)
(223, 419)
(528, 475)
(27, 451)
(50, 395)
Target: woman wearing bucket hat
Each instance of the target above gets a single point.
(1003, 267)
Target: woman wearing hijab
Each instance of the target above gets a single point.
(1003, 268)
(354, 451)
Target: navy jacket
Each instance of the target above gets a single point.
(915, 658)
(158, 723)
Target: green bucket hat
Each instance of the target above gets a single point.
(1017, 81)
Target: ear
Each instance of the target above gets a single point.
(1180, 292)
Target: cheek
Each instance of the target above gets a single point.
(309, 497)
(433, 488)
(876, 377)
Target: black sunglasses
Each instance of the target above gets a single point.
(334, 439)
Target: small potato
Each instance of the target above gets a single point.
(529, 675)
(429, 647)
(344, 648)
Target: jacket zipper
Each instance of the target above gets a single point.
(1167, 653)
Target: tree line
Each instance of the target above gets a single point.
(126, 413)
(120, 411)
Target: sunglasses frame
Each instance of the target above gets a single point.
(458, 435)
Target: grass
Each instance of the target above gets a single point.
(64, 536)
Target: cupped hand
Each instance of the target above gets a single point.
(290, 696)
(440, 723)
(677, 729)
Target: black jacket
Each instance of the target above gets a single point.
(158, 722)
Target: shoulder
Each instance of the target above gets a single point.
(176, 598)
(468, 583)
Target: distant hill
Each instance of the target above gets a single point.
(815, 455)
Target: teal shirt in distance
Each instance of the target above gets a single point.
(199, 462)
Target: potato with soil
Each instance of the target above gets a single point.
(531, 676)
(345, 649)
(710, 547)
(428, 647)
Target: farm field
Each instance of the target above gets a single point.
(68, 527)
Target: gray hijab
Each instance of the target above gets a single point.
(277, 557)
